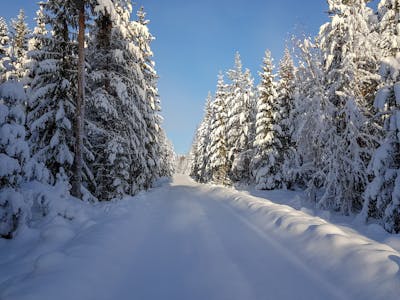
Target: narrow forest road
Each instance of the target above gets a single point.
(187, 241)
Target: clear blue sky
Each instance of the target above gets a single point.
(196, 39)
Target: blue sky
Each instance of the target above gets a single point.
(196, 39)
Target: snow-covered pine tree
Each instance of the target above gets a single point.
(272, 164)
(107, 94)
(16, 165)
(150, 103)
(284, 120)
(240, 125)
(266, 150)
(53, 90)
(313, 118)
(218, 150)
(388, 22)
(4, 37)
(203, 143)
(167, 156)
(4, 47)
(35, 44)
(19, 46)
(382, 196)
(14, 153)
(124, 130)
(194, 168)
(349, 58)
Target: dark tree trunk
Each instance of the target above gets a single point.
(79, 118)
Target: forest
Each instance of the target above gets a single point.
(124, 146)
(327, 122)
(291, 187)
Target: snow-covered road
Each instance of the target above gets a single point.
(189, 241)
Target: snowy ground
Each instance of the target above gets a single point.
(189, 241)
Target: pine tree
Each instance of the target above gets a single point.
(4, 38)
(16, 164)
(388, 18)
(167, 158)
(218, 150)
(349, 59)
(53, 91)
(382, 196)
(203, 143)
(35, 44)
(125, 127)
(284, 119)
(19, 46)
(313, 120)
(4, 45)
(263, 163)
(240, 125)
(194, 167)
(150, 105)
(14, 154)
(107, 95)
(272, 164)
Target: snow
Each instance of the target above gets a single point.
(106, 6)
(13, 90)
(8, 165)
(4, 111)
(397, 92)
(183, 240)
(381, 97)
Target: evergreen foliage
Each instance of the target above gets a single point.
(329, 125)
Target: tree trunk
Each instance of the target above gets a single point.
(79, 118)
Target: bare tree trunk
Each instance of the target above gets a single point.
(80, 108)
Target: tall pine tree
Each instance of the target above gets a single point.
(19, 46)
(263, 163)
(382, 196)
(349, 64)
(4, 47)
(241, 116)
(53, 90)
(218, 150)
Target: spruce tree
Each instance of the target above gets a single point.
(387, 29)
(106, 96)
(382, 196)
(53, 91)
(241, 115)
(124, 123)
(14, 154)
(4, 38)
(4, 47)
(35, 44)
(218, 150)
(19, 46)
(194, 167)
(167, 157)
(263, 163)
(284, 119)
(150, 103)
(349, 66)
(313, 120)
(16, 164)
(203, 143)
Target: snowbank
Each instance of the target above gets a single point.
(349, 259)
